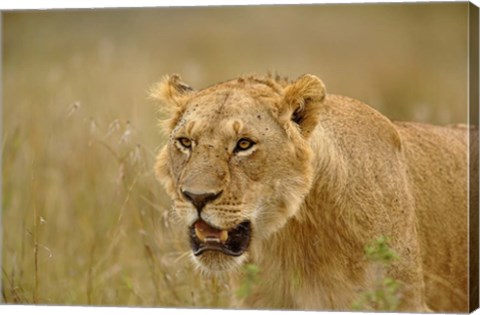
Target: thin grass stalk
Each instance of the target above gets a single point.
(35, 238)
(151, 264)
(89, 286)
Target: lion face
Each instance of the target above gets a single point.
(237, 163)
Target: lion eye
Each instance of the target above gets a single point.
(244, 144)
(185, 142)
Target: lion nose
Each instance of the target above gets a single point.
(200, 200)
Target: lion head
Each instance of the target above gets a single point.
(237, 164)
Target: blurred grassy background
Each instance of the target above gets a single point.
(84, 220)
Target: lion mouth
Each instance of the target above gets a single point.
(233, 242)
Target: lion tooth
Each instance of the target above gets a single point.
(212, 239)
(200, 235)
(223, 236)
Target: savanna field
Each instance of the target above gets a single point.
(84, 220)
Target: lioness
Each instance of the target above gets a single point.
(297, 181)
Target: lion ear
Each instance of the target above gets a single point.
(172, 92)
(174, 95)
(302, 101)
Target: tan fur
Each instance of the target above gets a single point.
(327, 175)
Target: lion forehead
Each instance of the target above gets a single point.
(228, 114)
(219, 103)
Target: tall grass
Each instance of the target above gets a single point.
(84, 219)
(95, 230)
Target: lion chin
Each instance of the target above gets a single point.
(217, 263)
